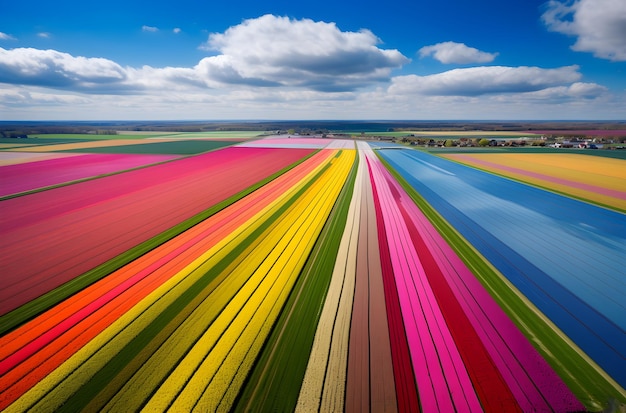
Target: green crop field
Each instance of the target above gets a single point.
(93, 136)
(183, 147)
(236, 135)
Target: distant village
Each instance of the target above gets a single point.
(553, 141)
(546, 141)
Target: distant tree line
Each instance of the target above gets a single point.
(34, 129)
(13, 135)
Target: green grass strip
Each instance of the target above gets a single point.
(591, 385)
(40, 304)
(73, 137)
(275, 380)
(181, 147)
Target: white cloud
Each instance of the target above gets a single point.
(148, 78)
(23, 96)
(452, 52)
(177, 30)
(4, 36)
(150, 29)
(265, 52)
(576, 92)
(483, 80)
(55, 69)
(208, 90)
(44, 35)
(559, 102)
(300, 53)
(599, 25)
(586, 90)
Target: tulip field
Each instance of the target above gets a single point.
(308, 274)
(592, 178)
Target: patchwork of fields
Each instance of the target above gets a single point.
(308, 274)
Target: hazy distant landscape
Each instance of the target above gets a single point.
(34, 127)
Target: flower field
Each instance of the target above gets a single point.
(307, 274)
(592, 178)
(29, 176)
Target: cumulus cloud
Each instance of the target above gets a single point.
(176, 30)
(224, 73)
(44, 35)
(149, 78)
(222, 69)
(51, 68)
(150, 29)
(20, 97)
(598, 25)
(586, 90)
(576, 91)
(266, 52)
(300, 53)
(452, 52)
(484, 80)
(4, 36)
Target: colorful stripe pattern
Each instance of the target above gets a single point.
(325, 289)
(561, 260)
(75, 228)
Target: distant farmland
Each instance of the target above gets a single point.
(584, 132)
(225, 272)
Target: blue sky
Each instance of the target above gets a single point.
(206, 60)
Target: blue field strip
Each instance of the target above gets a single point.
(557, 252)
(566, 256)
